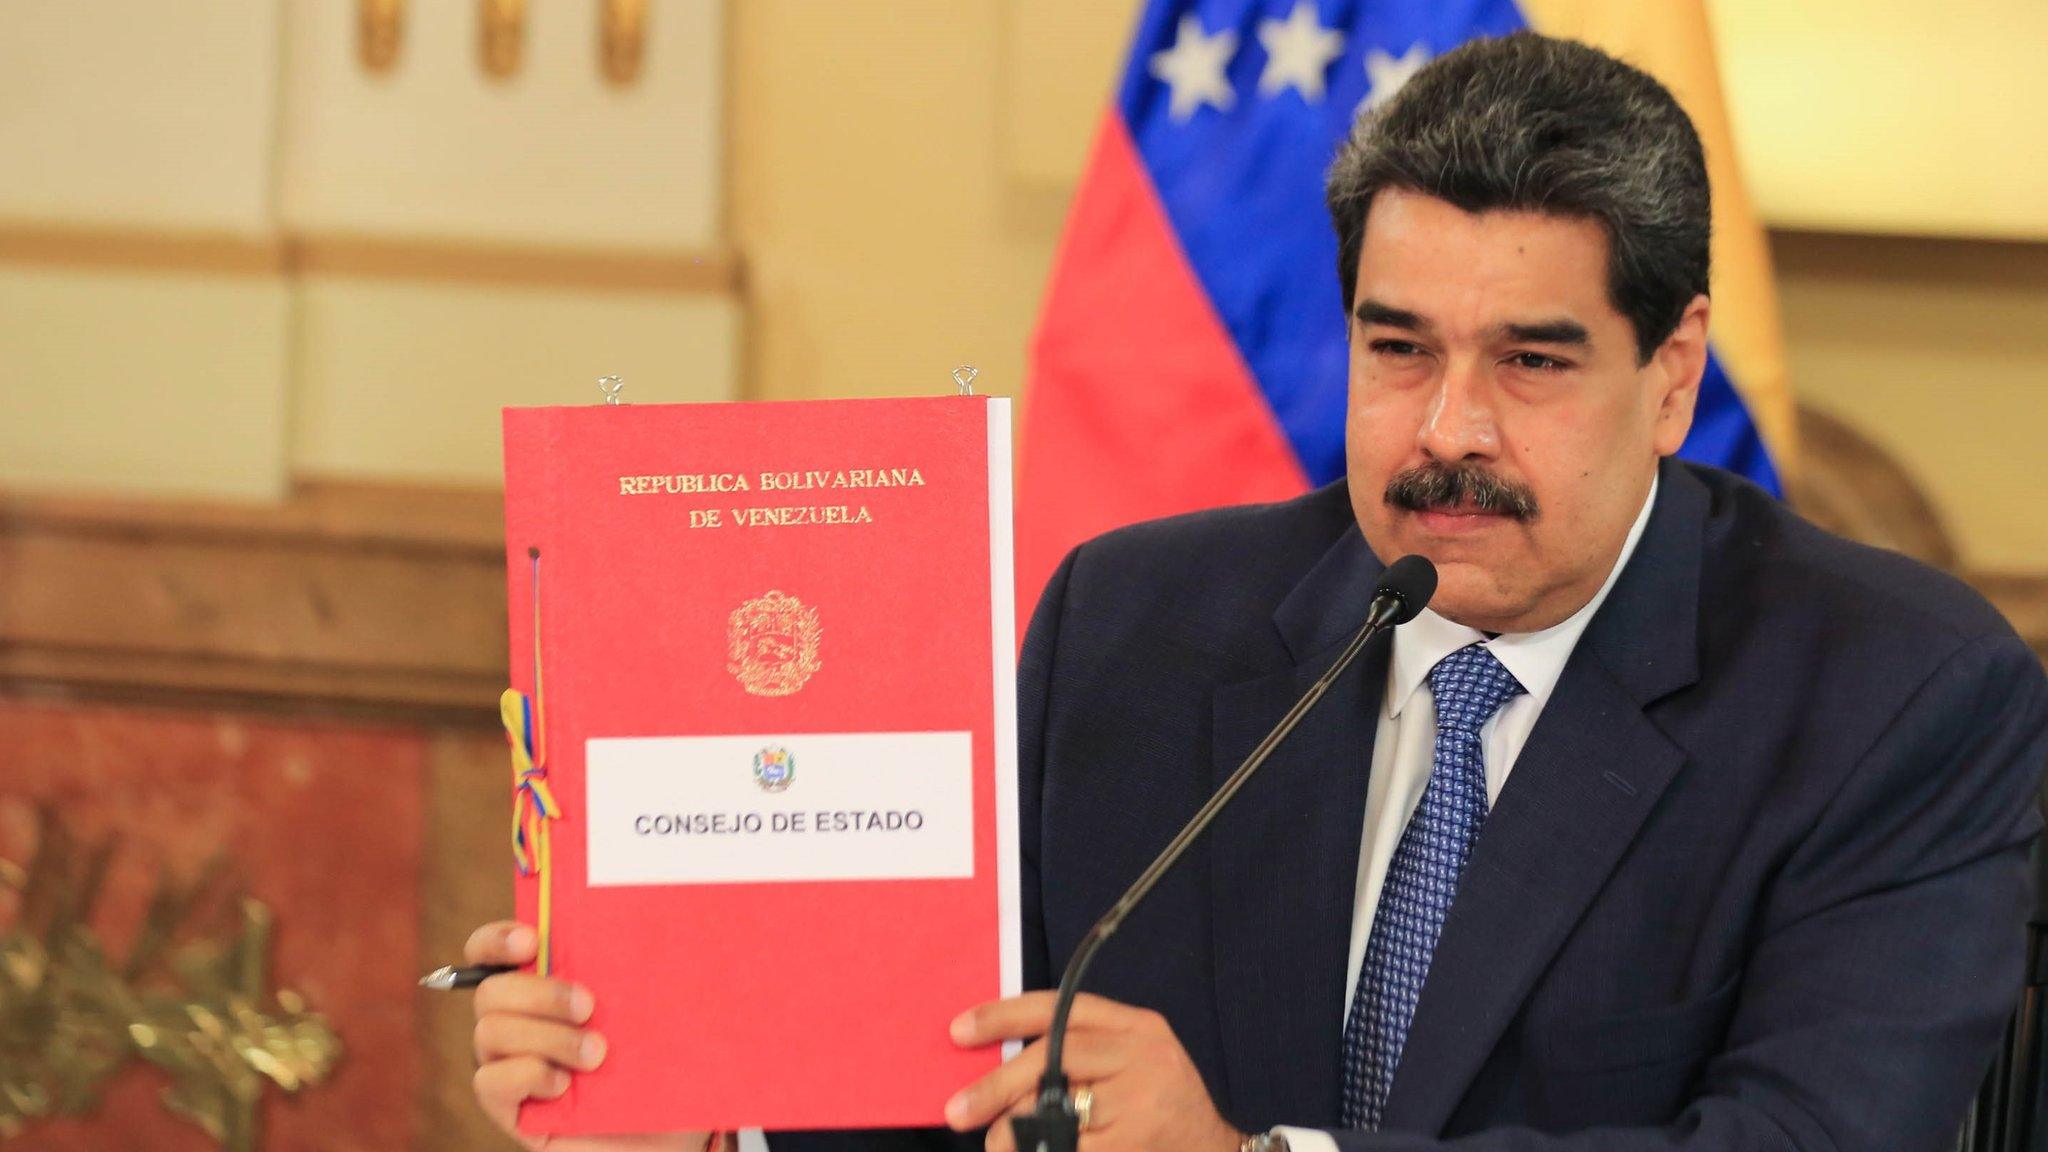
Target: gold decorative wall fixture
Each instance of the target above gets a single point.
(501, 37)
(190, 997)
(380, 32)
(622, 39)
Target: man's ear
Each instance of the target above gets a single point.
(1675, 369)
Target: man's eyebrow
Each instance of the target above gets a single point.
(1548, 332)
(1374, 312)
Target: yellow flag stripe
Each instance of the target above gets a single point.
(1672, 40)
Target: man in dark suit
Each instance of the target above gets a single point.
(1675, 824)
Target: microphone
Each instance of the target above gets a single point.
(1403, 591)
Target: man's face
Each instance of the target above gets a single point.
(1499, 421)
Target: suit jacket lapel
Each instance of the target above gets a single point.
(1284, 855)
(1590, 773)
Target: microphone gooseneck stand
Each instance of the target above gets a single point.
(1403, 590)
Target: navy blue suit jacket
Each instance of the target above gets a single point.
(1757, 881)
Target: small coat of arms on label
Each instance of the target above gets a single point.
(774, 768)
(772, 644)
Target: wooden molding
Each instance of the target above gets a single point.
(713, 271)
(142, 251)
(465, 262)
(379, 601)
(320, 511)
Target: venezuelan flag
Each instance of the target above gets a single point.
(1191, 348)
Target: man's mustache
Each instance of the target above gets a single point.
(1438, 486)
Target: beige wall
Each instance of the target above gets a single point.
(158, 115)
(232, 258)
(553, 155)
(1939, 352)
(884, 244)
(1895, 116)
(893, 178)
(899, 173)
(83, 402)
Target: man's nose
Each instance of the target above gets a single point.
(1460, 423)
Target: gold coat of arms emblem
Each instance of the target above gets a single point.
(772, 644)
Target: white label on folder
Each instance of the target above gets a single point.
(744, 809)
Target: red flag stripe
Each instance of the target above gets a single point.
(1137, 390)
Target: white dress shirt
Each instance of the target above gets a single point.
(1404, 746)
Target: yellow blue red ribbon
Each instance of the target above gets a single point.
(533, 803)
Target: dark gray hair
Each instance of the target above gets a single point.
(1527, 122)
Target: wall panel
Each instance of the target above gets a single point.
(138, 114)
(405, 379)
(435, 147)
(1892, 116)
(160, 381)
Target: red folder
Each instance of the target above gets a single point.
(772, 638)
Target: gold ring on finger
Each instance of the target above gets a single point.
(1084, 1105)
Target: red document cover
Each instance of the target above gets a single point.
(778, 719)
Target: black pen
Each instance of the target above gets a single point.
(453, 979)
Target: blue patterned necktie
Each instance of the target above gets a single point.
(1469, 686)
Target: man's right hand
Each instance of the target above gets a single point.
(530, 1040)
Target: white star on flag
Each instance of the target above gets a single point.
(1298, 51)
(1388, 73)
(1193, 67)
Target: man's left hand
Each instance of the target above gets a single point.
(1147, 1095)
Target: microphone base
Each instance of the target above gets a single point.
(1046, 1130)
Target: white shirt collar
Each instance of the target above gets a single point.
(1536, 659)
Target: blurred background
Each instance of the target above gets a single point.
(270, 268)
